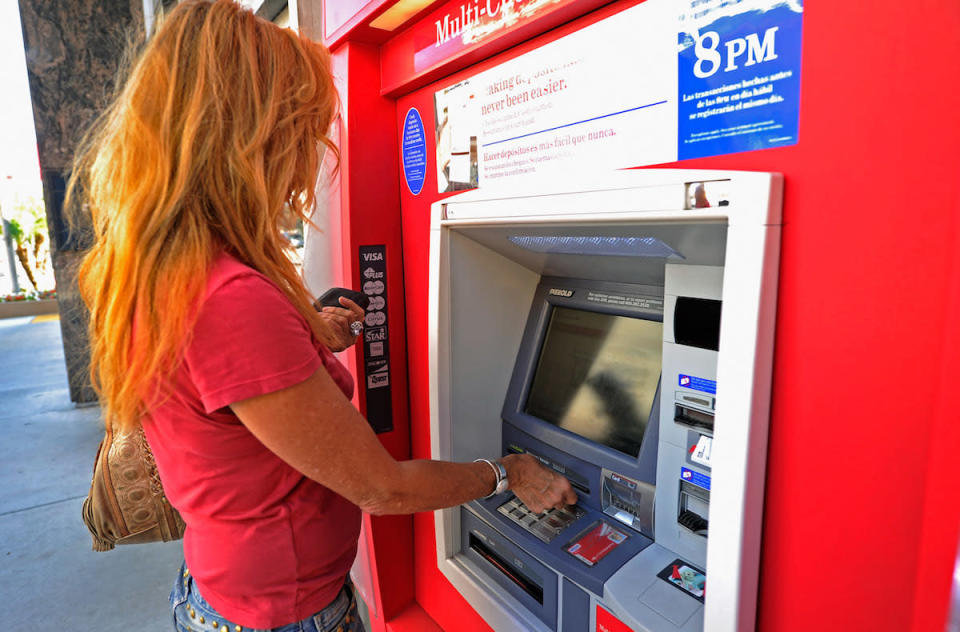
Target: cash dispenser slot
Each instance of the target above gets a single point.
(508, 570)
(694, 508)
(693, 418)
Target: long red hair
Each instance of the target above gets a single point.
(217, 132)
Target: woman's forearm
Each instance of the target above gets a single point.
(427, 485)
(316, 430)
(424, 485)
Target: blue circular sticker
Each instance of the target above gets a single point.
(414, 151)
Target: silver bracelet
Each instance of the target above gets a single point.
(496, 475)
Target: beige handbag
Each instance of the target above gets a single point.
(126, 503)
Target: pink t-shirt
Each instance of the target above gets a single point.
(266, 545)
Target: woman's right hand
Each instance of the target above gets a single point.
(539, 488)
(339, 319)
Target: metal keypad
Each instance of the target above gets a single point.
(545, 526)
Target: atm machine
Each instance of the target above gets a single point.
(620, 331)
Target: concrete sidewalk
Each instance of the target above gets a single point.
(50, 578)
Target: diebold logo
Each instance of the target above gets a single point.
(558, 292)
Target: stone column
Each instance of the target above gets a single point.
(74, 50)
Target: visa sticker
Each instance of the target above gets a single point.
(697, 478)
(698, 384)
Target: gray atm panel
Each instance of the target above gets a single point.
(575, 604)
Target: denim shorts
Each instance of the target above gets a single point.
(191, 612)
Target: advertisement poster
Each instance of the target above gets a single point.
(655, 83)
(739, 76)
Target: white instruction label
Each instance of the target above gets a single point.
(624, 300)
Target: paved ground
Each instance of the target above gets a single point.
(50, 578)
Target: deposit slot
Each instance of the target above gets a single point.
(526, 584)
(694, 418)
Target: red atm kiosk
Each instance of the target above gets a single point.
(852, 104)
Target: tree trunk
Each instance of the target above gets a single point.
(38, 257)
(24, 256)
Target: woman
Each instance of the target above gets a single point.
(202, 331)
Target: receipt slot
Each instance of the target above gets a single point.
(622, 333)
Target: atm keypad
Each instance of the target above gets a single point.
(545, 526)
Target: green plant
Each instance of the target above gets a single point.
(28, 232)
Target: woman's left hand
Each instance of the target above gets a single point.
(340, 320)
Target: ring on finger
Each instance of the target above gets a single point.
(356, 327)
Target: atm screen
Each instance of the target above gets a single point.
(597, 376)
